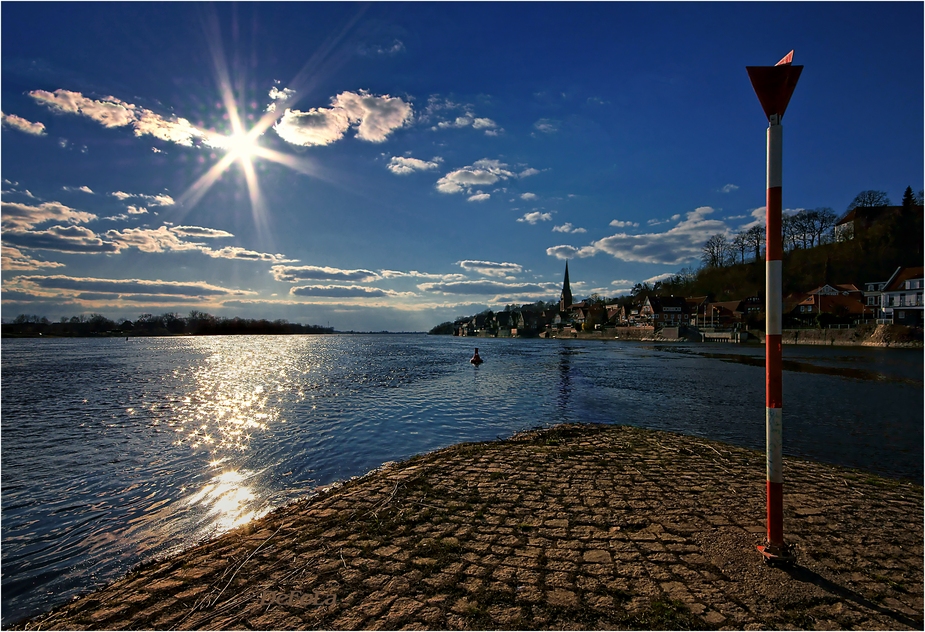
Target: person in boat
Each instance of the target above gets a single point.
(476, 360)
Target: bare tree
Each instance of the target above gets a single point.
(870, 198)
(824, 220)
(754, 240)
(739, 245)
(715, 251)
(791, 232)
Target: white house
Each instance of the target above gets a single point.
(901, 299)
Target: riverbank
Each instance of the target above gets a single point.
(892, 336)
(576, 527)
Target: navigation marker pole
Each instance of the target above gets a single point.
(774, 86)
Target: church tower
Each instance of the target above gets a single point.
(565, 299)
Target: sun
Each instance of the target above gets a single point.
(239, 145)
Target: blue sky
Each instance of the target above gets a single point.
(392, 166)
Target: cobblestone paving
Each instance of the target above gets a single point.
(577, 527)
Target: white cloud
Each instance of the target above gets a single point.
(621, 224)
(110, 112)
(481, 173)
(279, 95)
(318, 126)
(21, 124)
(659, 277)
(377, 116)
(570, 252)
(478, 197)
(136, 210)
(729, 188)
(529, 171)
(567, 228)
(403, 165)
(490, 268)
(149, 240)
(528, 196)
(484, 123)
(176, 130)
(621, 282)
(113, 112)
(459, 121)
(546, 126)
(534, 217)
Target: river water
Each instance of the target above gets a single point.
(117, 451)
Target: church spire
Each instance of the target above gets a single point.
(565, 299)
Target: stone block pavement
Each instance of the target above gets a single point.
(574, 527)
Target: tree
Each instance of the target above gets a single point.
(869, 199)
(739, 245)
(754, 239)
(790, 230)
(715, 251)
(823, 226)
(908, 199)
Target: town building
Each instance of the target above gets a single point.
(901, 298)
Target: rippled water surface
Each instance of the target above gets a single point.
(115, 451)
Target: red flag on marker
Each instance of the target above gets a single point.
(786, 61)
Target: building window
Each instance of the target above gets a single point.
(902, 300)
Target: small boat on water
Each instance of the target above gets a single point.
(476, 360)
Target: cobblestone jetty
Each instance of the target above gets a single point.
(575, 527)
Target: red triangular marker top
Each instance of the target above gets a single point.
(786, 61)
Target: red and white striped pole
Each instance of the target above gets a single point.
(774, 86)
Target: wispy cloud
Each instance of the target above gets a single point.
(294, 274)
(729, 188)
(680, 244)
(547, 126)
(479, 197)
(162, 199)
(528, 196)
(17, 216)
(484, 287)
(237, 253)
(341, 291)
(130, 286)
(388, 50)
(568, 228)
(491, 268)
(84, 189)
(21, 124)
(14, 259)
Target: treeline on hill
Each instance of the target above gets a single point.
(196, 324)
(733, 267)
